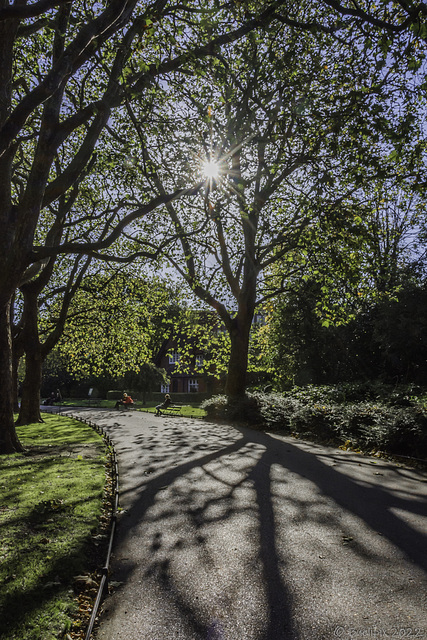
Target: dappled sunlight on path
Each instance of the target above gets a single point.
(234, 534)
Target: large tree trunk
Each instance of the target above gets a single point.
(17, 353)
(11, 245)
(9, 442)
(239, 328)
(30, 398)
(238, 364)
(15, 385)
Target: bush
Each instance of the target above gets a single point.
(407, 434)
(316, 421)
(364, 425)
(371, 391)
(276, 410)
(367, 426)
(243, 409)
(273, 410)
(114, 395)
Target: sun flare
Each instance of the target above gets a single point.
(210, 169)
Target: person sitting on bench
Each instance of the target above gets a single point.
(51, 400)
(125, 401)
(165, 404)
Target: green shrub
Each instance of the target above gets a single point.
(385, 426)
(114, 394)
(364, 425)
(392, 429)
(273, 410)
(244, 409)
(215, 407)
(372, 391)
(407, 434)
(276, 410)
(315, 421)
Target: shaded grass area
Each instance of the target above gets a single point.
(51, 500)
(87, 402)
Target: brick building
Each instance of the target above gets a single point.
(183, 358)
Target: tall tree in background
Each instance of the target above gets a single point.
(117, 321)
(336, 323)
(288, 127)
(28, 340)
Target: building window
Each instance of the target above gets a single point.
(164, 388)
(174, 357)
(199, 361)
(193, 385)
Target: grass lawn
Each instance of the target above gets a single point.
(51, 501)
(188, 411)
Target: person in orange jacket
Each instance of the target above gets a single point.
(126, 400)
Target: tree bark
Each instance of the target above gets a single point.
(238, 364)
(9, 442)
(17, 353)
(11, 247)
(240, 327)
(15, 385)
(30, 397)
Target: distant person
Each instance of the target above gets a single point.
(125, 401)
(51, 399)
(58, 396)
(166, 402)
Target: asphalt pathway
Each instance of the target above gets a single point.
(231, 534)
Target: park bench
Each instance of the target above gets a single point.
(127, 407)
(173, 409)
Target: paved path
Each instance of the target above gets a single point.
(232, 534)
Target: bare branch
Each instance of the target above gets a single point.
(21, 12)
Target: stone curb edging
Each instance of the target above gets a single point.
(115, 476)
(106, 568)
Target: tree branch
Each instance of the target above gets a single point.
(21, 12)
(40, 253)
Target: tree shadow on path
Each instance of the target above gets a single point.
(213, 528)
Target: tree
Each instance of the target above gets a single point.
(288, 140)
(64, 67)
(145, 379)
(385, 341)
(339, 324)
(117, 322)
(28, 339)
(389, 17)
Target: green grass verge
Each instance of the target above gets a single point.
(188, 411)
(85, 402)
(51, 499)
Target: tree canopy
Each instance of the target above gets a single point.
(116, 324)
(296, 128)
(109, 109)
(64, 68)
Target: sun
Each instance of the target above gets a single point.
(211, 169)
